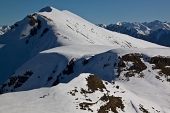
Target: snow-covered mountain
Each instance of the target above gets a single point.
(55, 61)
(156, 32)
(4, 29)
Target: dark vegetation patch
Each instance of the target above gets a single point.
(113, 103)
(33, 21)
(33, 31)
(17, 81)
(44, 96)
(143, 109)
(15, 24)
(49, 78)
(39, 24)
(12, 81)
(69, 68)
(73, 92)
(56, 82)
(70, 27)
(161, 63)
(108, 102)
(86, 106)
(137, 67)
(105, 65)
(94, 83)
(26, 41)
(23, 35)
(85, 61)
(58, 33)
(44, 31)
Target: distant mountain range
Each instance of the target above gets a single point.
(4, 29)
(156, 32)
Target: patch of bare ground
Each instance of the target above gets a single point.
(94, 83)
(111, 103)
(137, 67)
(162, 63)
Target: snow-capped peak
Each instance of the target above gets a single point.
(157, 24)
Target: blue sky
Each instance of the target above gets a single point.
(95, 11)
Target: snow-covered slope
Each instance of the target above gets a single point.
(53, 28)
(126, 80)
(90, 68)
(156, 32)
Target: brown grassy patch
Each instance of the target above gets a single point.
(137, 67)
(114, 102)
(161, 63)
(94, 83)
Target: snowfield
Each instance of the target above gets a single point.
(56, 61)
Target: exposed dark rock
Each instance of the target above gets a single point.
(39, 24)
(85, 61)
(33, 31)
(162, 63)
(143, 109)
(69, 68)
(137, 67)
(49, 78)
(33, 21)
(44, 31)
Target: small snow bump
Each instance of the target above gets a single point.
(46, 9)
